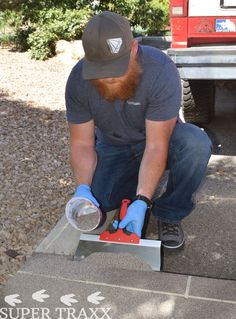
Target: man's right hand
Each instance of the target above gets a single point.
(84, 191)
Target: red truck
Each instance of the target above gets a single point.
(204, 50)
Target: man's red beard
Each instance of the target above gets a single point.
(120, 88)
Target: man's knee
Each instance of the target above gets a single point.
(193, 141)
(199, 143)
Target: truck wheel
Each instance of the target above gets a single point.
(198, 101)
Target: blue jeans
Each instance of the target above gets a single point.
(116, 175)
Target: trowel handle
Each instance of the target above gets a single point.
(124, 206)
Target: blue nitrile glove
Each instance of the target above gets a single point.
(84, 191)
(134, 218)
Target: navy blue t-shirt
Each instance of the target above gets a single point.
(157, 98)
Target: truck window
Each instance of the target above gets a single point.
(212, 8)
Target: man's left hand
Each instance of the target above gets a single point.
(134, 218)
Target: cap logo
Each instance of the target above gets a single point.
(114, 44)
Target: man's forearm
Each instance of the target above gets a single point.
(151, 170)
(83, 161)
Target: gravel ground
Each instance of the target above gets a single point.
(35, 174)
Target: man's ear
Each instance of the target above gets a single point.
(134, 48)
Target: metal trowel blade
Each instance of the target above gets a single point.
(147, 250)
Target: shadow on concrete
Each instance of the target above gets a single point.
(222, 129)
(210, 241)
(210, 229)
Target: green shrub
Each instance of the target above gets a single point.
(9, 19)
(42, 44)
(36, 11)
(150, 16)
(7, 40)
(123, 7)
(56, 24)
(21, 37)
(9, 22)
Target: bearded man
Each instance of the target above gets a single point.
(122, 103)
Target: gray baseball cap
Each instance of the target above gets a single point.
(107, 42)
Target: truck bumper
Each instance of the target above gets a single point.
(210, 63)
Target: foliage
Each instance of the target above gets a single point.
(123, 7)
(34, 11)
(6, 40)
(149, 15)
(56, 24)
(30, 5)
(9, 18)
(152, 15)
(21, 37)
(9, 21)
(13, 5)
(40, 23)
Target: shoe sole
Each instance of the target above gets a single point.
(174, 247)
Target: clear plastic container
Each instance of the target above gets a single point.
(83, 214)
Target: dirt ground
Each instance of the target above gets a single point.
(35, 175)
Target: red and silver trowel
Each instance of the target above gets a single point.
(120, 241)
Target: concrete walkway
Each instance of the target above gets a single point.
(71, 289)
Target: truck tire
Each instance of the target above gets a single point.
(198, 101)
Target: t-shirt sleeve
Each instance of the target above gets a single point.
(165, 94)
(77, 107)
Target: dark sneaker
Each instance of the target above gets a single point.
(171, 235)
